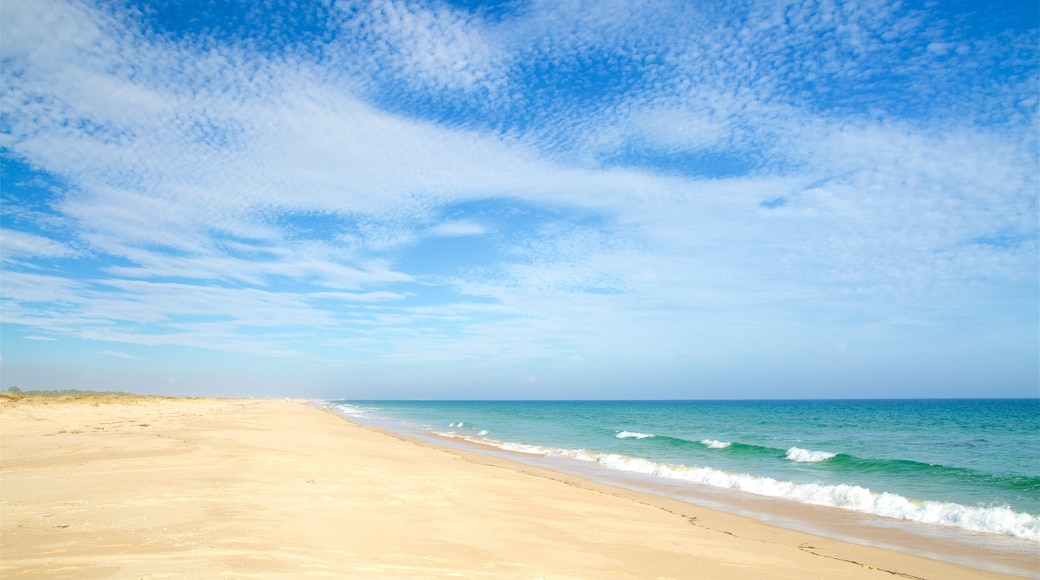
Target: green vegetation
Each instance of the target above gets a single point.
(66, 393)
(17, 396)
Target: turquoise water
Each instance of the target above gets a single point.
(970, 464)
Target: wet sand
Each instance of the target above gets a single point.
(154, 487)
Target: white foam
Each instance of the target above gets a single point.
(714, 444)
(805, 456)
(993, 520)
(349, 410)
(521, 448)
(517, 447)
(483, 432)
(632, 435)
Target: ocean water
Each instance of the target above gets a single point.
(967, 464)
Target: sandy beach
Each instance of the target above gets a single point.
(143, 487)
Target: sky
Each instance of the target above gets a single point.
(521, 200)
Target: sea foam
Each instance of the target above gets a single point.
(715, 444)
(806, 456)
(349, 410)
(632, 435)
(994, 520)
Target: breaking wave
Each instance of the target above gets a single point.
(715, 444)
(993, 519)
(632, 435)
(806, 456)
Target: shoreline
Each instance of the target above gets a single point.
(992, 552)
(273, 487)
(976, 550)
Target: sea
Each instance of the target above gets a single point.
(961, 471)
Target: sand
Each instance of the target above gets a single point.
(201, 488)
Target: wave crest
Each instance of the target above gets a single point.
(806, 456)
(633, 435)
(715, 444)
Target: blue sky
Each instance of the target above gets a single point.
(521, 199)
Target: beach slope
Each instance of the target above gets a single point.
(162, 488)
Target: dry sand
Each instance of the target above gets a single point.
(201, 488)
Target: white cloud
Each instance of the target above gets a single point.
(120, 354)
(459, 228)
(189, 159)
(15, 245)
(436, 47)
